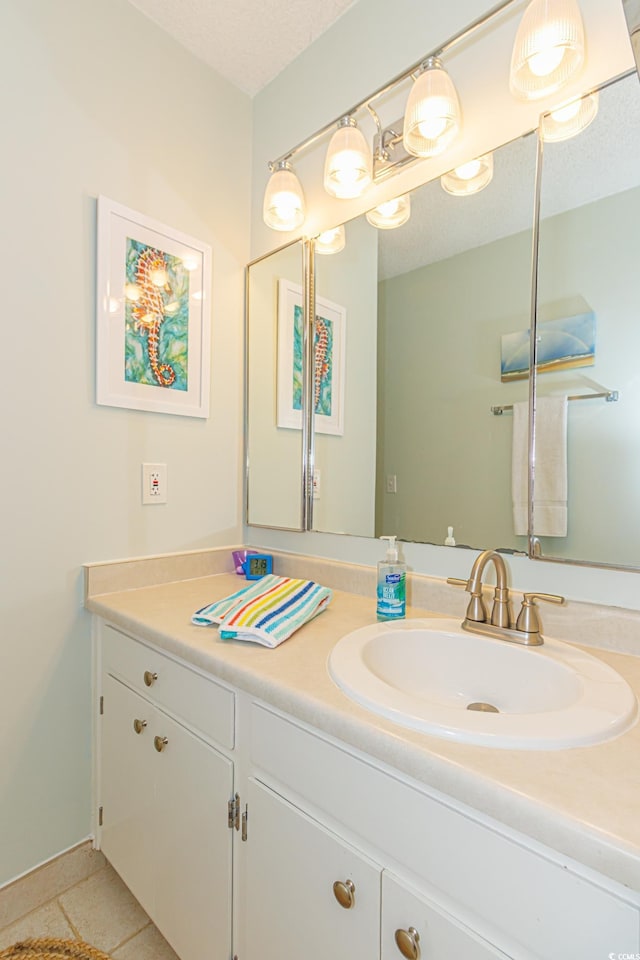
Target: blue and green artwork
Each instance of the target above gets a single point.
(156, 344)
(562, 344)
(323, 363)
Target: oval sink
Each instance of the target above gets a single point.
(432, 676)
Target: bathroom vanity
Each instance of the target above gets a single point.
(257, 812)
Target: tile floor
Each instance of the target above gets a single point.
(79, 896)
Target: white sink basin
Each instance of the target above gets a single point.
(426, 674)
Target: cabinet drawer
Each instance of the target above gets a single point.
(198, 700)
(529, 904)
(439, 936)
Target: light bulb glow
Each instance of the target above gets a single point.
(569, 119)
(159, 277)
(283, 207)
(390, 214)
(331, 241)
(468, 170)
(347, 168)
(470, 177)
(549, 48)
(432, 117)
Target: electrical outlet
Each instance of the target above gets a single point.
(316, 483)
(154, 483)
(392, 483)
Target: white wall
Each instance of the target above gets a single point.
(369, 45)
(97, 100)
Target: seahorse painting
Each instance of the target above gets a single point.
(322, 364)
(157, 317)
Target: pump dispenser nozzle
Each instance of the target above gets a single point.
(392, 549)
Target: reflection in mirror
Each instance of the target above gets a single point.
(274, 384)
(588, 336)
(442, 290)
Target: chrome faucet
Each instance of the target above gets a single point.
(525, 630)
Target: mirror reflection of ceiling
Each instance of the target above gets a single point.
(465, 222)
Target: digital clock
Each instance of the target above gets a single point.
(258, 565)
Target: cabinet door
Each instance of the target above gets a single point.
(127, 787)
(291, 909)
(424, 931)
(193, 844)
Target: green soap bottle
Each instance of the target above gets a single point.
(392, 579)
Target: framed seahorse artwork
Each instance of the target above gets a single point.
(328, 361)
(153, 315)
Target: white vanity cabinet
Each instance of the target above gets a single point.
(466, 886)
(345, 857)
(311, 894)
(164, 790)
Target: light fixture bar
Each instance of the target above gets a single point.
(397, 80)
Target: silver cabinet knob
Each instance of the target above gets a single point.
(345, 893)
(150, 678)
(160, 743)
(139, 725)
(408, 943)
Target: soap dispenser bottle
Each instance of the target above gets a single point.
(391, 593)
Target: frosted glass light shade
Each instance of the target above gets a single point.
(331, 241)
(570, 119)
(283, 207)
(471, 177)
(548, 49)
(392, 214)
(347, 167)
(432, 117)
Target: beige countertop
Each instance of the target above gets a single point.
(583, 802)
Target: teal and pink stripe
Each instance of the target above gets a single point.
(268, 611)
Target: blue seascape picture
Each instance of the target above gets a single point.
(562, 345)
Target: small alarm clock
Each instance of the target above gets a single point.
(258, 565)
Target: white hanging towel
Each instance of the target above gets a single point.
(550, 467)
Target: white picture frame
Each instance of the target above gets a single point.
(153, 341)
(329, 375)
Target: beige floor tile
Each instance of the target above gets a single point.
(47, 921)
(48, 881)
(147, 945)
(103, 911)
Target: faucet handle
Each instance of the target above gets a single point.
(527, 621)
(476, 609)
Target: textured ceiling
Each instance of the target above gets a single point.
(247, 41)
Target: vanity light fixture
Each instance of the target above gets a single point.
(549, 48)
(431, 121)
(331, 241)
(432, 118)
(347, 166)
(391, 214)
(284, 207)
(470, 177)
(569, 119)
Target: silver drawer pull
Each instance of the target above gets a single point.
(407, 942)
(150, 678)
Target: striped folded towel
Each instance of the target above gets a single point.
(268, 611)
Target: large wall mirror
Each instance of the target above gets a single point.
(423, 372)
(589, 332)
(274, 292)
(422, 348)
